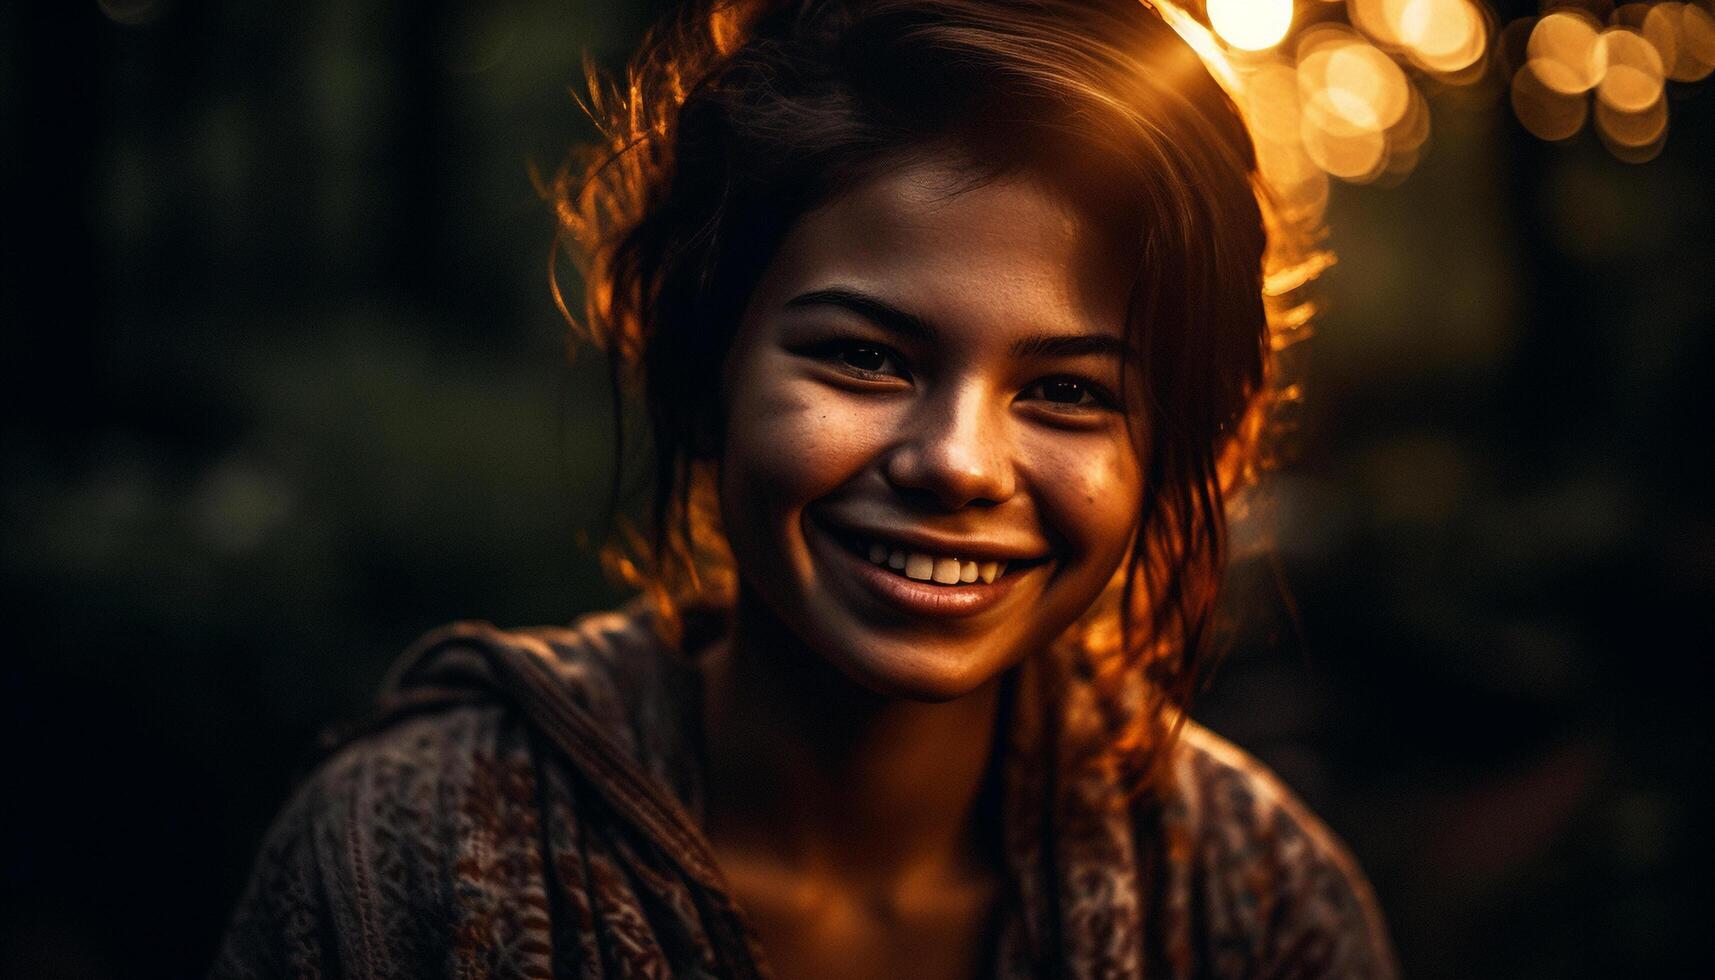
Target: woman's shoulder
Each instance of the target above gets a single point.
(431, 810)
(630, 688)
(455, 716)
(611, 664)
(455, 708)
(362, 864)
(1225, 790)
(1264, 870)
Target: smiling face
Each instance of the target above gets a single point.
(926, 472)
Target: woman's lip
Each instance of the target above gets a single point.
(909, 595)
(934, 545)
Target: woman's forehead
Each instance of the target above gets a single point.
(929, 237)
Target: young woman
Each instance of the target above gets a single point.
(949, 320)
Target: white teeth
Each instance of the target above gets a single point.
(927, 568)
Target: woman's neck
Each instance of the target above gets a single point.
(817, 775)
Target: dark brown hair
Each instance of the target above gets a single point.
(736, 118)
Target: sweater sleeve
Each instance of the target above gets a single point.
(1284, 898)
(283, 925)
(412, 851)
(356, 875)
(1327, 923)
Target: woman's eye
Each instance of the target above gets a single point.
(864, 358)
(867, 359)
(1065, 393)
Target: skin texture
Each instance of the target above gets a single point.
(850, 736)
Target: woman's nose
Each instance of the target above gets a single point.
(955, 451)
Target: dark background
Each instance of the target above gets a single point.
(284, 388)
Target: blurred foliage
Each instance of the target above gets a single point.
(284, 388)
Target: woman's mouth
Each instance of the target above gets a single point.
(922, 582)
(924, 567)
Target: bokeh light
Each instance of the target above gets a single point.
(1547, 99)
(1439, 36)
(289, 390)
(1352, 95)
(1339, 146)
(1633, 136)
(1633, 77)
(1445, 36)
(1348, 98)
(1563, 46)
(1660, 27)
(1251, 25)
(1694, 28)
(1364, 85)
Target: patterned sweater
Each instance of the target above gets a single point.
(527, 804)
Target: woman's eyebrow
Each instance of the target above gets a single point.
(1069, 345)
(877, 311)
(891, 317)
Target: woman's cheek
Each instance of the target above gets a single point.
(1089, 489)
(801, 438)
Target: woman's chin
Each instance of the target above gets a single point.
(916, 672)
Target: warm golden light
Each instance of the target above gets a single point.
(1635, 137)
(1697, 36)
(1251, 25)
(1633, 79)
(1202, 40)
(1360, 117)
(1378, 19)
(1271, 103)
(1412, 131)
(1632, 128)
(1361, 76)
(1630, 14)
(1547, 100)
(1445, 36)
(1348, 100)
(1299, 184)
(1564, 43)
(1269, 89)
(1660, 27)
(1684, 34)
(1627, 65)
(1338, 145)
